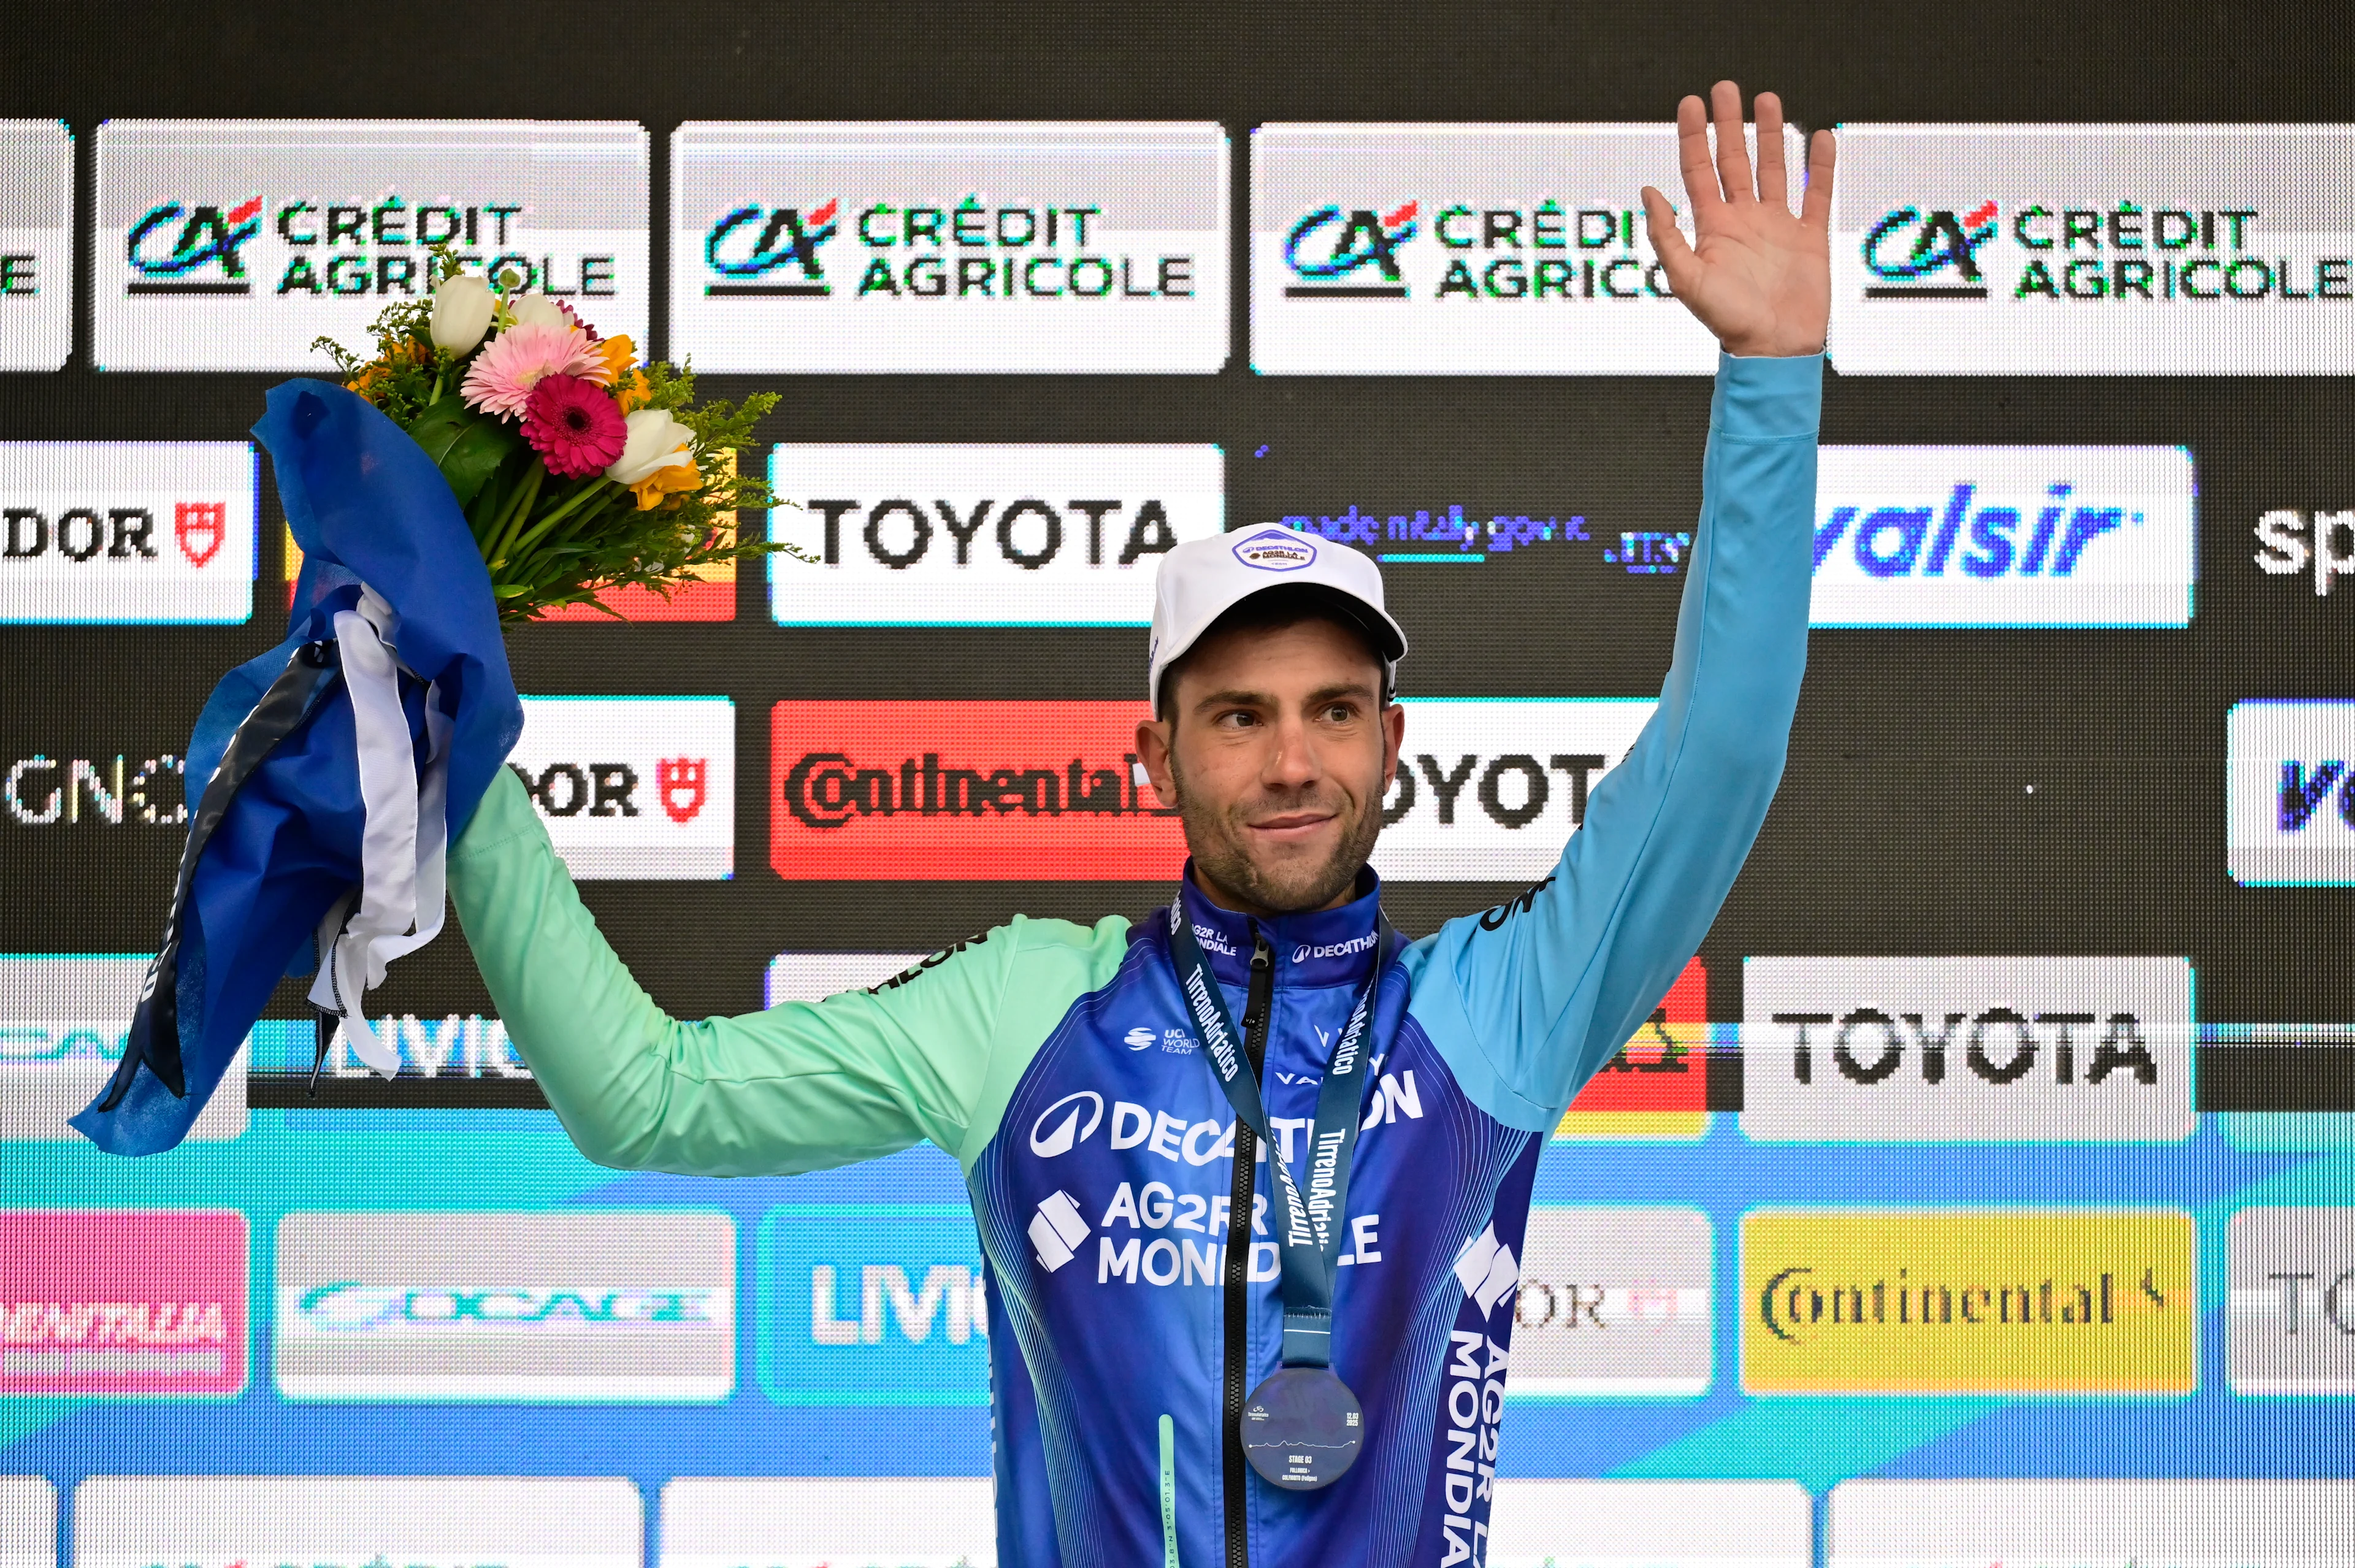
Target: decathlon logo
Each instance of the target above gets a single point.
(1276, 549)
(192, 250)
(1056, 1230)
(752, 243)
(1306, 950)
(1047, 1141)
(1329, 249)
(1928, 255)
(1487, 1270)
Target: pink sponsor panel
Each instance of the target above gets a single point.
(122, 1301)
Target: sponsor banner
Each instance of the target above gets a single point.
(709, 593)
(830, 1521)
(36, 246)
(872, 1306)
(1649, 1524)
(146, 531)
(984, 536)
(65, 1020)
(358, 1521)
(814, 977)
(2290, 1316)
(1466, 251)
(2019, 1523)
(28, 1523)
(634, 786)
(230, 244)
(2004, 536)
(125, 789)
(601, 1304)
(956, 791)
(1489, 789)
(1613, 1301)
(1450, 533)
(122, 1301)
(2290, 807)
(2294, 542)
(938, 246)
(457, 1045)
(2094, 250)
(1957, 1050)
(1657, 1086)
(1867, 1301)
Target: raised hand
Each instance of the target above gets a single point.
(1757, 277)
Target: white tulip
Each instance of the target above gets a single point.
(529, 308)
(656, 441)
(462, 312)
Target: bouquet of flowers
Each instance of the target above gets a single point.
(577, 468)
(494, 459)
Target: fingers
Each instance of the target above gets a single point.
(1669, 242)
(1733, 156)
(1773, 186)
(1816, 211)
(1692, 155)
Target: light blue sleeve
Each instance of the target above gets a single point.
(1530, 999)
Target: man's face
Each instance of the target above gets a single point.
(1277, 753)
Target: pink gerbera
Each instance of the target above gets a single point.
(501, 379)
(573, 425)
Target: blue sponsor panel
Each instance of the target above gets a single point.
(872, 1305)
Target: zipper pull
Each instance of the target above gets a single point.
(1263, 961)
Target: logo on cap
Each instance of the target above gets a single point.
(1276, 549)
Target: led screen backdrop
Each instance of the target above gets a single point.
(1984, 1192)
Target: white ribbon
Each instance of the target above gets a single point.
(405, 836)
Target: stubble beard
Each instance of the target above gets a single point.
(1217, 839)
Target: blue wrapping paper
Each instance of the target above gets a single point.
(366, 506)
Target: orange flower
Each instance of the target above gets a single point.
(673, 478)
(617, 352)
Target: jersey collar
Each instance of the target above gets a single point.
(1324, 947)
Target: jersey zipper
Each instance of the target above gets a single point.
(1259, 1005)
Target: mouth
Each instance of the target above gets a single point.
(1291, 828)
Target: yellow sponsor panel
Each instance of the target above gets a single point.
(1899, 1301)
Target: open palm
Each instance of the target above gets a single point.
(1757, 277)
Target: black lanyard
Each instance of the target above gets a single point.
(1307, 1224)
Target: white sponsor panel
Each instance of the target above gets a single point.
(2290, 809)
(358, 1521)
(574, 1305)
(1489, 789)
(814, 977)
(2004, 536)
(2094, 250)
(2290, 1319)
(2173, 1523)
(65, 1020)
(36, 244)
(230, 244)
(126, 531)
(634, 786)
(28, 1523)
(828, 1521)
(1649, 1524)
(1612, 1301)
(1466, 251)
(984, 536)
(2073, 1050)
(941, 246)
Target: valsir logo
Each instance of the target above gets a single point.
(634, 786)
(1960, 535)
(2290, 812)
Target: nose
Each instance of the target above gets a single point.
(1292, 762)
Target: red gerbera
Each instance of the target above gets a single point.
(573, 425)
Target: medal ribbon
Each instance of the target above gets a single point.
(1307, 1224)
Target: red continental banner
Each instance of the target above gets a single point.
(964, 790)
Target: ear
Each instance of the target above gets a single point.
(1394, 742)
(1153, 738)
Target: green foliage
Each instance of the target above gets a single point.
(551, 542)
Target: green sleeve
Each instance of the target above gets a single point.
(934, 1055)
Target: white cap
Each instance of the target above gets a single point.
(1201, 580)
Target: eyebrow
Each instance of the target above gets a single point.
(1236, 697)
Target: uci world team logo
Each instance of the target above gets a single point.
(770, 252)
(184, 250)
(1352, 254)
(1932, 254)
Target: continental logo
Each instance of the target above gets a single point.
(955, 791)
(1879, 1301)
